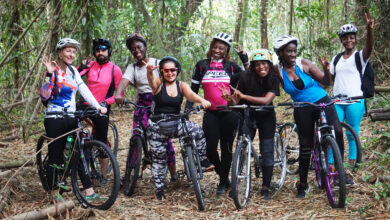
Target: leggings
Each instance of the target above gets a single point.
(159, 146)
(56, 127)
(143, 116)
(305, 118)
(101, 126)
(219, 126)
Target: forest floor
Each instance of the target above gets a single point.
(28, 195)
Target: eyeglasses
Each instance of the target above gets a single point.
(172, 70)
(101, 48)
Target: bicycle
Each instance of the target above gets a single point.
(189, 151)
(241, 166)
(81, 156)
(328, 176)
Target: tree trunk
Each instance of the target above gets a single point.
(264, 24)
(244, 22)
(236, 37)
(43, 213)
(291, 17)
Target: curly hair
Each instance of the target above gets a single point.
(214, 41)
(252, 78)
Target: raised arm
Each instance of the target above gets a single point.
(322, 77)
(370, 37)
(154, 82)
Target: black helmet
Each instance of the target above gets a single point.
(132, 37)
(99, 42)
(169, 59)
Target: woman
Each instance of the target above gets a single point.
(167, 97)
(218, 125)
(301, 79)
(258, 86)
(347, 80)
(63, 98)
(135, 75)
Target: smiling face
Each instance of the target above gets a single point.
(67, 54)
(261, 68)
(169, 71)
(218, 50)
(289, 53)
(348, 41)
(138, 50)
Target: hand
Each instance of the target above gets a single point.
(225, 94)
(205, 104)
(242, 54)
(50, 64)
(149, 66)
(237, 93)
(119, 99)
(85, 63)
(103, 110)
(324, 62)
(369, 21)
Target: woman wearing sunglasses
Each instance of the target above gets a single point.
(168, 96)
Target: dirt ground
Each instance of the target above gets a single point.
(181, 203)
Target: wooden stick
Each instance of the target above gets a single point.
(43, 213)
(5, 174)
(382, 88)
(379, 110)
(15, 164)
(380, 116)
(5, 194)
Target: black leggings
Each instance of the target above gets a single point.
(220, 126)
(305, 118)
(56, 127)
(101, 126)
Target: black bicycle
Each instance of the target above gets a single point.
(82, 156)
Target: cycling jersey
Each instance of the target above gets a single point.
(100, 78)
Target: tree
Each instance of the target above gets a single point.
(264, 24)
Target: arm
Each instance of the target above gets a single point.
(193, 97)
(370, 37)
(243, 56)
(117, 80)
(195, 84)
(322, 77)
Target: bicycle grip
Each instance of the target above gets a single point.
(357, 97)
(221, 106)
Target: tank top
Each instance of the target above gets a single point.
(163, 103)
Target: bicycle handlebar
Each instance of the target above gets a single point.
(177, 116)
(244, 106)
(127, 103)
(335, 99)
(78, 114)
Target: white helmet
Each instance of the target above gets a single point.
(224, 38)
(283, 41)
(68, 42)
(347, 29)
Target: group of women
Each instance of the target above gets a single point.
(224, 83)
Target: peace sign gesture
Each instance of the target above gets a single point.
(369, 20)
(225, 94)
(324, 62)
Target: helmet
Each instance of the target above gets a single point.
(283, 41)
(132, 37)
(68, 42)
(262, 54)
(169, 58)
(226, 38)
(347, 29)
(101, 41)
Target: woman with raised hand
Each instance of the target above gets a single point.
(168, 95)
(218, 125)
(304, 82)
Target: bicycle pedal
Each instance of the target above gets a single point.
(64, 188)
(180, 174)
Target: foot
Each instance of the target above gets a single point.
(207, 165)
(221, 189)
(348, 181)
(266, 194)
(160, 194)
(174, 179)
(302, 188)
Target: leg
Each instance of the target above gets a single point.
(101, 131)
(354, 115)
(212, 133)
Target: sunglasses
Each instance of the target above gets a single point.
(101, 48)
(172, 70)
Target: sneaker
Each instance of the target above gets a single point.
(93, 197)
(221, 189)
(174, 179)
(160, 194)
(302, 190)
(266, 194)
(207, 165)
(348, 181)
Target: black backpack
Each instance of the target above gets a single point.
(368, 78)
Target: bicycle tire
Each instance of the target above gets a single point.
(133, 163)
(334, 179)
(317, 169)
(241, 162)
(280, 164)
(194, 177)
(112, 139)
(108, 191)
(346, 127)
(41, 160)
(289, 134)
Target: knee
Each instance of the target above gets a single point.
(305, 149)
(267, 146)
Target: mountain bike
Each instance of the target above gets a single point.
(242, 159)
(189, 151)
(81, 158)
(328, 176)
(289, 135)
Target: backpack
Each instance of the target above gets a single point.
(367, 79)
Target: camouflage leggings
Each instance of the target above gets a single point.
(159, 145)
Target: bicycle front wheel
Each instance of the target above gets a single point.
(280, 164)
(112, 140)
(91, 170)
(194, 177)
(333, 174)
(41, 159)
(352, 147)
(241, 175)
(289, 135)
(133, 163)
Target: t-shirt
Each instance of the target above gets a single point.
(138, 76)
(347, 81)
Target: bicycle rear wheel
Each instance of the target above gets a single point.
(241, 175)
(195, 179)
(105, 185)
(333, 174)
(133, 163)
(350, 134)
(41, 159)
(289, 134)
(280, 164)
